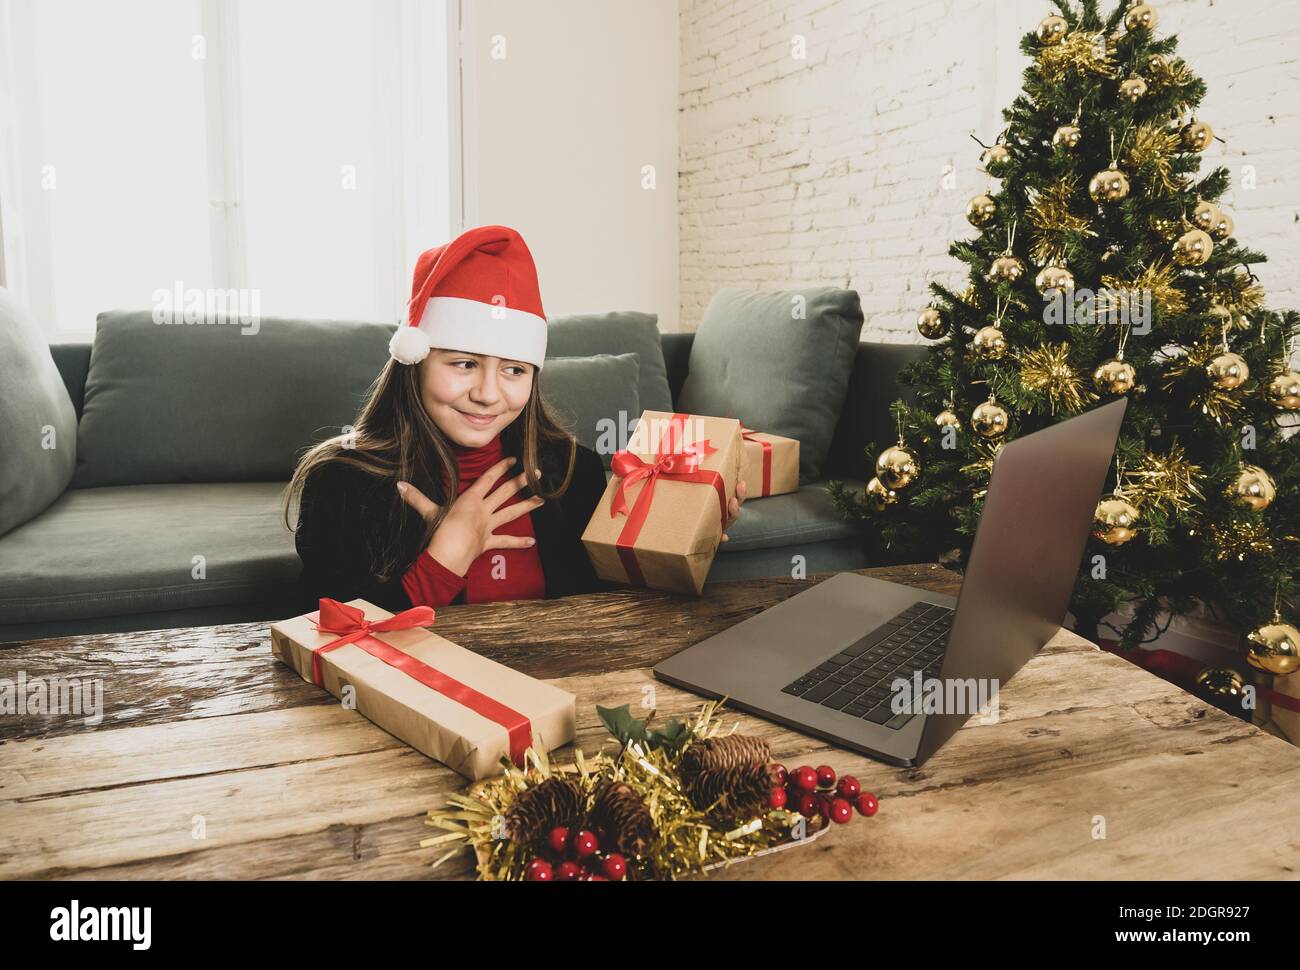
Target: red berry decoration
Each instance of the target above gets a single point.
(848, 788)
(805, 778)
(614, 867)
(558, 839)
(867, 804)
(841, 811)
(585, 844)
(777, 798)
(807, 805)
(568, 871)
(823, 805)
(825, 776)
(779, 774)
(539, 870)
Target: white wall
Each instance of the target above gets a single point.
(557, 133)
(830, 170)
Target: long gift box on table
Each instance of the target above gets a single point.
(660, 519)
(770, 464)
(445, 701)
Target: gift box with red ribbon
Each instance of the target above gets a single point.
(660, 520)
(443, 700)
(770, 464)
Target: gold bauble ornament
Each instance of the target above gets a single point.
(1006, 267)
(1228, 370)
(1067, 136)
(897, 467)
(990, 343)
(1115, 376)
(1141, 15)
(1205, 216)
(1283, 391)
(981, 211)
(1133, 88)
(878, 497)
(1115, 521)
(1109, 185)
(1253, 488)
(989, 420)
(930, 324)
(1223, 227)
(947, 419)
(1157, 63)
(1197, 136)
(1052, 30)
(1193, 248)
(995, 157)
(1220, 683)
(1052, 278)
(1274, 647)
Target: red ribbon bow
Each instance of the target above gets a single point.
(351, 622)
(748, 434)
(671, 462)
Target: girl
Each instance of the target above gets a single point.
(457, 485)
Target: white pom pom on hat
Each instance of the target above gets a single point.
(477, 294)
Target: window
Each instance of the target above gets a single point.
(298, 150)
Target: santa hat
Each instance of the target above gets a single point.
(476, 294)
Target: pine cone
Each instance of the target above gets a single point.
(555, 801)
(735, 790)
(623, 815)
(731, 751)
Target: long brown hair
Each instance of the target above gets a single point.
(394, 439)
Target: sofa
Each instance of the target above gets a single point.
(173, 514)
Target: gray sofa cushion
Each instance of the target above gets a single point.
(595, 398)
(207, 402)
(111, 551)
(38, 430)
(624, 332)
(778, 361)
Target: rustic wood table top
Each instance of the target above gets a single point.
(215, 761)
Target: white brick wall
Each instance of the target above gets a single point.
(830, 169)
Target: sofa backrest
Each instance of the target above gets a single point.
(864, 419)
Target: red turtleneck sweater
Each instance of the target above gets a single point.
(497, 574)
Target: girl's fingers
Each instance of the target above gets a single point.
(510, 513)
(508, 542)
(416, 499)
(487, 481)
(508, 489)
(741, 491)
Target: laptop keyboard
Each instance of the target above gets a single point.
(856, 680)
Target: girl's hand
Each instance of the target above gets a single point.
(467, 531)
(733, 508)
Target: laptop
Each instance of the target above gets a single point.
(827, 661)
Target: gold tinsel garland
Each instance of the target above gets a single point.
(1239, 538)
(982, 467)
(1082, 51)
(1049, 213)
(1154, 146)
(686, 839)
(1156, 279)
(1170, 72)
(1240, 293)
(1164, 481)
(1215, 402)
(1047, 370)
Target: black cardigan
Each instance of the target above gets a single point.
(342, 507)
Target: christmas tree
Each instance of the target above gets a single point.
(1103, 266)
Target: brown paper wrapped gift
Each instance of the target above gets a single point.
(660, 520)
(443, 700)
(770, 465)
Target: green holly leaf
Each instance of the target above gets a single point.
(672, 736)
(620, 723)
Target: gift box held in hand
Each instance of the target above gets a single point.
(770, 464)
(443, 700)
(660, 520)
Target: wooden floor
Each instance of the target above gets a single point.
(214, 761)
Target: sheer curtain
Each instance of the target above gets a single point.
(301, 151)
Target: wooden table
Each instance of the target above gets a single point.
(215, 761)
